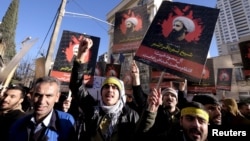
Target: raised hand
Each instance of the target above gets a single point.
(84, 50)
(66, 104)
(135, 74)
(182, 85)
(154, 100)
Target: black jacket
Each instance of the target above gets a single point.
(6, 120)
(93, 114)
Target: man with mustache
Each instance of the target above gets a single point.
(45, 122)
(244, 108)
(131, 23)
(193, 122)
(181, 26)
(212, 106)
(168, 114)
(10, 108)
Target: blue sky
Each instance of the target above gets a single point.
(36, 16)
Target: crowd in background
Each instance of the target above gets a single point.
(42, 113)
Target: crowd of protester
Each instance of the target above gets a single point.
(43, 113)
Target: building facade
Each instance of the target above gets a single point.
(103, 57)
(232, 25)
(232, 28)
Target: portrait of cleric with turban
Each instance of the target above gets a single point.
(181, 27)
(131, 23)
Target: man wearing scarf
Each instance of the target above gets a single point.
(108, 119)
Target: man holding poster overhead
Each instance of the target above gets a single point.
(102, 119)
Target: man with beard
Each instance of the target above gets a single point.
(212, 106)
(244, 108)
(10, 108)
(131, 23)
(167, 117)
(181, 26)
(193, 122)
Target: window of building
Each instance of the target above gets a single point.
(238, 74)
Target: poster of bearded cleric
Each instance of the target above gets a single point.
(67, 51)
(207, 83)
(245, 56)
(178, 39)
(130, 28)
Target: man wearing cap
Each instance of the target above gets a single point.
(193, 122)
(167, 117)
(181, 26)
(109, 118)
(212, 106)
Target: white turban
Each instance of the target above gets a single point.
(132, 20)
(188, 23)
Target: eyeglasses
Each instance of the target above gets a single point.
(107, 86)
